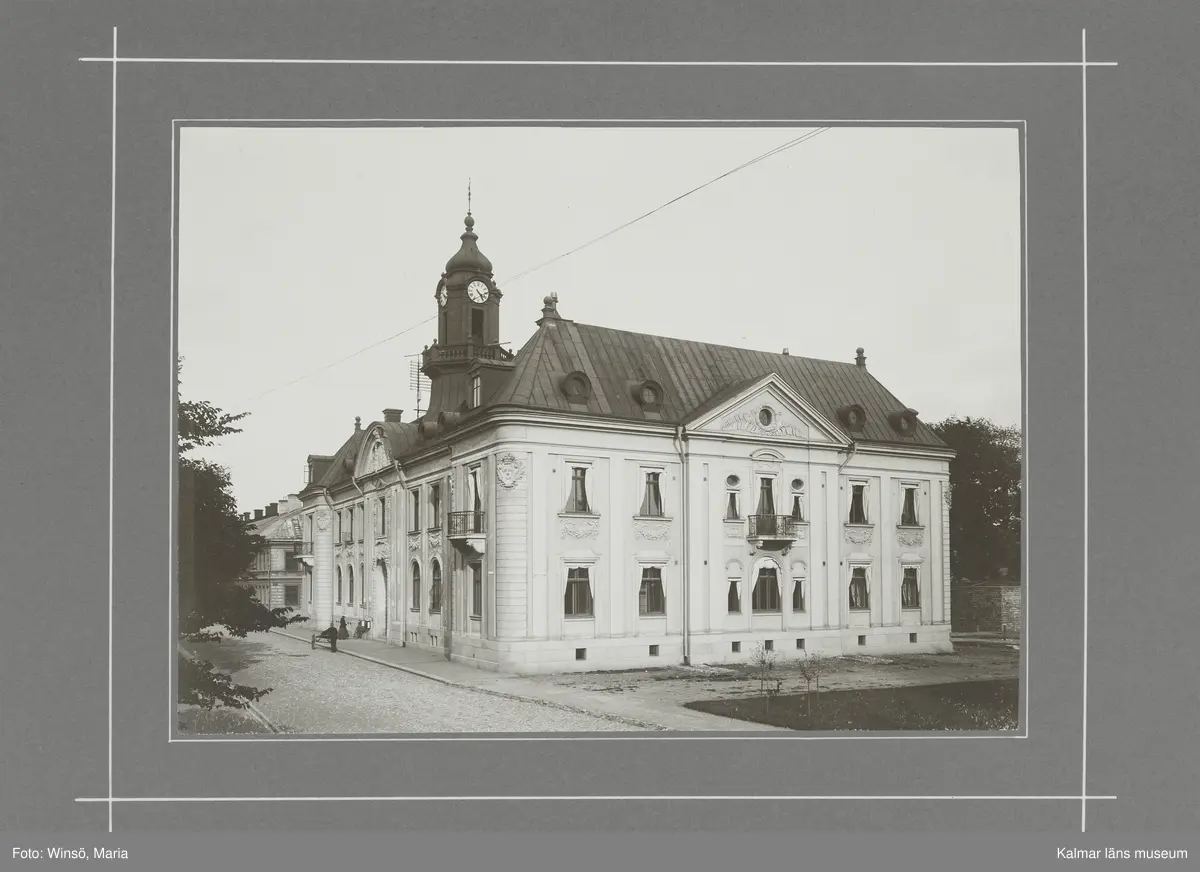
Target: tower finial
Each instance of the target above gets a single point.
(468, 196)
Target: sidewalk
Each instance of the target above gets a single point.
(986, 638)
(649, 714)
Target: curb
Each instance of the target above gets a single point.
(497, 693)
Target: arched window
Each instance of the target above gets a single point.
(339, 585)
(435, 587)
(766, 590)
(350, 572)
(416, 586)
(362, 585)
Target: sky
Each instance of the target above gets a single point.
(299, 247)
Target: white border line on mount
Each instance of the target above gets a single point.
(647, 736)
(1086, 428)
(1027, 615)
(588, 122)
(476, 62)
(112, 375)
(550, 798)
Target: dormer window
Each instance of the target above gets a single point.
(476, 391)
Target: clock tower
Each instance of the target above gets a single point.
(467, 357)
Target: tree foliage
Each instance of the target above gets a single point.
(985, 497)
(216, 551)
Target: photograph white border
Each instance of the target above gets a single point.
(1082, 64)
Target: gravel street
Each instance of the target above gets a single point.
(316, 691)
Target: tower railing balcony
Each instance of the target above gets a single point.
(466, 351)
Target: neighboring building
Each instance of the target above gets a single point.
(988, 606)
(607, 499)
(277, 574)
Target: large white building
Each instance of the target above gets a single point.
(607, 499)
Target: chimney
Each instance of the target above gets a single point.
(245, 516)
(392, 416)
(272, 510)
(861, 360)
(258, 514)
(786, 352)
(357, 423)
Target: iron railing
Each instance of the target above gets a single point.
(465, 524)
(780, 526)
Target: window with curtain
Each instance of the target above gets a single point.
(416, 586)
(435, 587)
(651, 598)
(858, 504)
(798, 508)
(858, 589)
(652, 506)
(733, 511)
(766, 591)
(414, 501)
(476, 495)
(734, 597)
(339, 585)
(908, 513)
(798, 594)
(435, 507)
(577, 602)
(910, 589)
(578, 502)
(766, 497)
(350, 573)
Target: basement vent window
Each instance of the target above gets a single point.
(912, 637)
(581, 653)
(799, 644)
(653, 650)
(769, 645)
(862, 640)
(737, 647)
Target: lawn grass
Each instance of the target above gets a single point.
(970, 705)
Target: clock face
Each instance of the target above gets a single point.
(648, 395)
(442, 295)
(477, 291)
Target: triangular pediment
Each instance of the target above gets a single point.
(769, 410)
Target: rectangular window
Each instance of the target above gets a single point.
(798, 508)
(766, 496)
(414, 500)
(908, 514)
(476, 590)
(858, 589)
(577, 602)
(766, 591)
(652, 506)
(651, 599)
(477, 326)
(858, 504)
(910, 590)
(797, 594)
(291, 595)
(476, 392)
(733, 510)
(476, 494)
(578, 503)
(435, 507)
(735, 596)
(362, 521)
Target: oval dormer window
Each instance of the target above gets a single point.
(765, 416)
(648, 394)
(903, 422)
(576, 387)
(853, 417)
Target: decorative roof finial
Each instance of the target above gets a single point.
(468, 196)
(357, 423)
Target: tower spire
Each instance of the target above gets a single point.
(468, 196)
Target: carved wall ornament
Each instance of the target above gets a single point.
(435, 540)
(414, 544)
(378, 458)
(510, 470)
(360, 551)
(652, 530)
(323, 520)
(734, 531)
(763, 419)
(911, 538)
(579, 528)
(946, 495)
(860, 535)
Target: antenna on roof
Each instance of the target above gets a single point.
(417, 380)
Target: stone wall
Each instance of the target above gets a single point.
(986, 608)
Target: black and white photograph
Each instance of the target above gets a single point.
(576, 429)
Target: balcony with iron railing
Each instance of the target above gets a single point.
(467, 531)
(780, 529)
